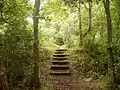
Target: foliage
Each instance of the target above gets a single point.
(58, 27)
(16, 40)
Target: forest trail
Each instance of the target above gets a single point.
(63, 75)
(61, 70)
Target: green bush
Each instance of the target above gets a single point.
(59, 41)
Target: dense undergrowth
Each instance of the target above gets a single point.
(19, 73)
(90, 61)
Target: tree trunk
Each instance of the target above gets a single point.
(36, 43)
(80, 24)
(3, 78)
(89, 17)
(111, 70)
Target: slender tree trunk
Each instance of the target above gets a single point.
(111, 70)
(89, 17)
(80, 24)
(36, 42)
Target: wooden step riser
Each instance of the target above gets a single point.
(56, 58)
(60, 63)
(61, 50)
(59, 68)
(60, 55)
(61, 74)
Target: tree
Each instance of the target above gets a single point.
(36, 43)
(111, 70)
(80, 25)
(89, 17)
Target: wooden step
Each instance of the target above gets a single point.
(59, 67)
(60, 63)
(61, 50)
(61, 74)
(60, 55)
(60, 71)
(59, 58)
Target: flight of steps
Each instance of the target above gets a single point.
(60, 63)
(60, 70)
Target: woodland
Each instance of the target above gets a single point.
(31, 30)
